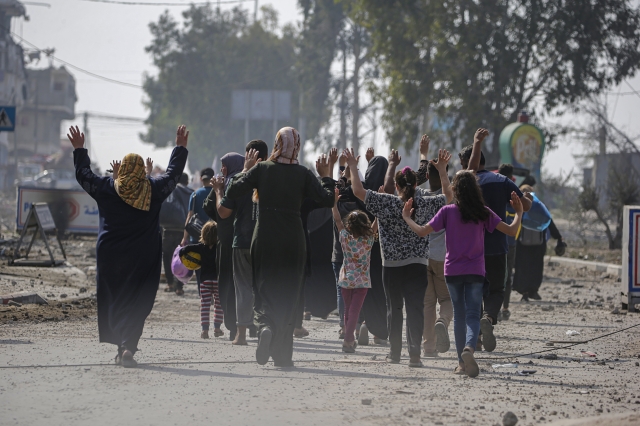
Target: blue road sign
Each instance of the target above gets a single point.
(7, 118)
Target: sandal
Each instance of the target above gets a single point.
(169, 289)
(179, 292)
(459, 371)
(217, 332)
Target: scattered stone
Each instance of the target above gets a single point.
(509, 419)
(14, 303)
(368, 402)
(547, 308)
(63, 296)
(637, 364)
(550, 357)
(83, 290)
(616, 310)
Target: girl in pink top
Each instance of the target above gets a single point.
(465, 222)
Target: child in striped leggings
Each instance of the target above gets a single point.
(209, 289)
(206, 249)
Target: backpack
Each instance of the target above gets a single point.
(173, 213)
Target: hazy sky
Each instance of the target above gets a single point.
(109, 39)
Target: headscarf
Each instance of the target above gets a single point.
(132, 184)
(286, 147)
(376, 171)
(234, 163)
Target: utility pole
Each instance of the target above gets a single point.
(85, 130)
(255, 12)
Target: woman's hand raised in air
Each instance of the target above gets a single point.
(407, 210)
(323, 166)
(76, 137)
(182, 136)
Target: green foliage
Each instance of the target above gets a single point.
(479, 63)
(201, 63)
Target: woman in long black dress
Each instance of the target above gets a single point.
(129, 248)
(278, 247)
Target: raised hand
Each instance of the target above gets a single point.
(394, 158)
(369, 154)
(337, 195)
(217, 183)
(322, 166)
(481, 133)
(342, 160)
(115, 166)
(333, 156)
(352, 160)
(424, 147)
(516, 203)
(443, 159)
(149, 166)
(407, 210)
(182, 136)
(76, 137)
(251, 159)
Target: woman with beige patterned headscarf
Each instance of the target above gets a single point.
(278, 248)
(129, 248)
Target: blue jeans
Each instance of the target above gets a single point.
(466, 296)
(336, 270)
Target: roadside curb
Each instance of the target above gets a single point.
(609, 268)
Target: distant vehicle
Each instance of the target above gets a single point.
(54, 179)
(26, 170)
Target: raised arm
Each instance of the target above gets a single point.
(322, 193)
(356, 184)
(216, 195)
(407, 212)
(474, 161)
(167, 182)
(336, 214)
(88, 180)
(389, 179)
(512, 228)
(423, 170)
(441, 165)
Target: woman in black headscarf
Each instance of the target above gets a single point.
(232, 164)
(374, 309)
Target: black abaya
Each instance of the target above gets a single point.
(128, 251)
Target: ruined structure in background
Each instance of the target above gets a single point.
(13, 82)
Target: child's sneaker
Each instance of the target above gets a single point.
(204, 334)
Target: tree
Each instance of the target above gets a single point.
(480, 63)
(317, 46)
(201, 63)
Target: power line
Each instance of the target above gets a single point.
(631, 87)
(127, 3)
(101, 77)
(107, 116)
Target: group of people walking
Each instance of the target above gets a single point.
(397, 247)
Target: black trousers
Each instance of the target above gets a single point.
(511, 263)
(407, 282)
(170, 240)
(496, 274)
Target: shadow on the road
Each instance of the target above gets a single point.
(292, 373)
(15, 342)
(568, 326)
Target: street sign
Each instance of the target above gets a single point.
(7, 118)
(40, 221)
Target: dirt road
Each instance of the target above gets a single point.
(54, 371)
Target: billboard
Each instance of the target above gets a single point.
(72, 210)
(261, 105)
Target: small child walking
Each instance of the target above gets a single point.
(357, 236)
(465, 222)
(208, 278)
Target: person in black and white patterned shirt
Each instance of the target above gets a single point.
(404, 256)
